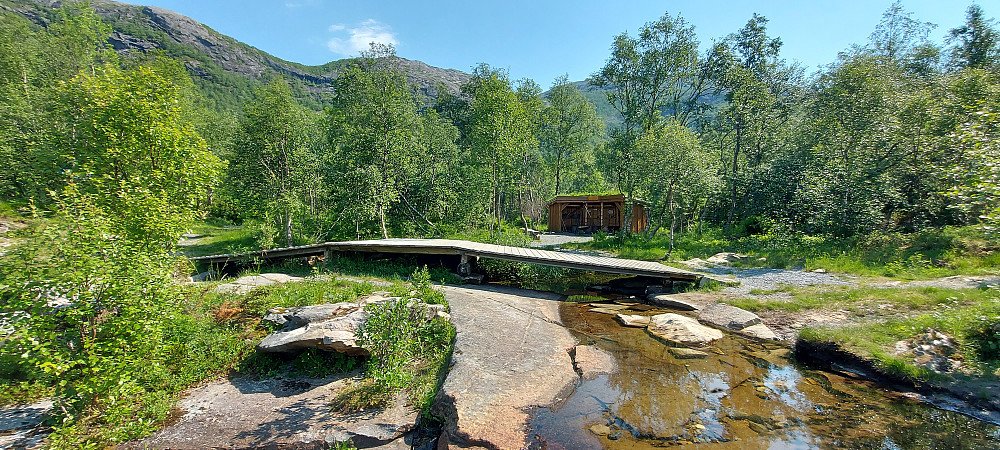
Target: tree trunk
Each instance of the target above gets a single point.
(381, 218)
(288, 228)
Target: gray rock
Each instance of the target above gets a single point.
(511, 354)
(673, 301)
(728, 316)
(632, 320)
(20, 425)
(279, 413)
(725, 258)
(204, 276)
(337, 334)
(678, 329)
(760, 331)
(245, 284)
(301, 316)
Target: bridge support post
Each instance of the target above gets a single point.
(465, 265)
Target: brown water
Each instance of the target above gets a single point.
(745, 395)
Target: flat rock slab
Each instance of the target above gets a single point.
(277, 413)
(683, 330)
(338, 334)
(687, 301)
(20, 425)
(632, 320)
(592, 361)
(760, 331)
(727, 316)
(511, 353)
(686, 353)
(245, 284)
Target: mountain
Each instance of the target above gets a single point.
(225, 69)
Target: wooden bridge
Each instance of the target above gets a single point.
(467, 250)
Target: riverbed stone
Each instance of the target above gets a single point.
(633, 320)
(591, 361)
(687, 353)
(728, 316)
(511, 353)
(600, 430)
(610, 311)
(678, 329)
(760, 331)
(686, 301)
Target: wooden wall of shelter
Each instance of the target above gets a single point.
(587, 214)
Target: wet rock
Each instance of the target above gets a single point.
(760, 331)
(686, 353)
(631, 320)
(600, 430)
(678, 329)
(245, 284)
(615, 435)
(591, 361)
(727, 316)
(611, 311)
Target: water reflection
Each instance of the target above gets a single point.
(744, 395)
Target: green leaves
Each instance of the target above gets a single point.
(129, 147)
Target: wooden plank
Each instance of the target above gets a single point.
(456, 247)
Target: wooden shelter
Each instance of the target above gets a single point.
(587, 214)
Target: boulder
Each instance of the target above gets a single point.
(725, 258)
(760, 331)
(635, 321)
(337, 334)
(678, 329)
(686, 353)
(727, 316)
(591, 361)
(293, 318)
(673, 301)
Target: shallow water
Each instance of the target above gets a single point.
(744, 395)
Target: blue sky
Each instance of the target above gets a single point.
(540, 39)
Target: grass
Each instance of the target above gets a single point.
(927, 254)
(864, 300)
(214, 335)
(217, 239)
(971, 317)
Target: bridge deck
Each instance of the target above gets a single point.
(455, 247)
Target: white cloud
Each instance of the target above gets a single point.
(354, 40)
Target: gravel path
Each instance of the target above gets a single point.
(556, 239)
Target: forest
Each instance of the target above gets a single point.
(116, 155)
(896, 135)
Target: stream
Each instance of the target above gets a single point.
(745, 395)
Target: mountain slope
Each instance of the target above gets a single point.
(225, 69)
